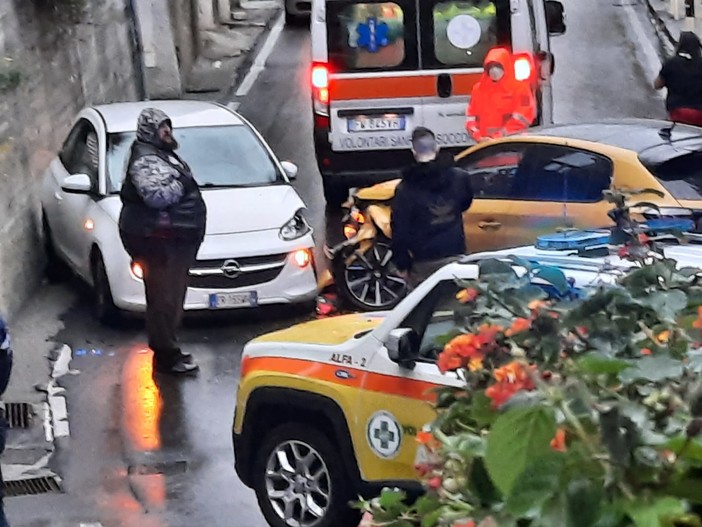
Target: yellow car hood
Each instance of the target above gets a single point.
(327, 332)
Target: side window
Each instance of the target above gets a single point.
(437, 318)
(464, 32)
(559, 173)
(492, 170)
(370, 36)
(80, 153)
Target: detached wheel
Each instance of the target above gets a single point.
(103, 303)
(370, 282)
(335, 193)
(300, 481)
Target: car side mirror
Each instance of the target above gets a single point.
(403, 347)
(555, 17)
(77, 184)
(290, 169)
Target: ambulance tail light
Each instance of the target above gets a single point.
(320, 88)
(524, 67)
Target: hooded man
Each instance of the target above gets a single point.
(162, 225)
(499, 104)
(682, 75)
(427, 211)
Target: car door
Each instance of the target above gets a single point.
(394, 402)
(455, 39)
(79, 155)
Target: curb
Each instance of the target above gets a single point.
(668, 42)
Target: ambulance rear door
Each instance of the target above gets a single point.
(375, 93)
(456, 37)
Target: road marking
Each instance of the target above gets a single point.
(652, 62)
(262, 57)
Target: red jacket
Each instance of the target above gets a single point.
(502, 107)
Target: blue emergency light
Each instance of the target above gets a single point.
(582, 240)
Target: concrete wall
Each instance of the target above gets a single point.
(63, 66)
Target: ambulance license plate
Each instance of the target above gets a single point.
(230, 300)
(376, 124)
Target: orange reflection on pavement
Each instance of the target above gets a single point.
(142, 401)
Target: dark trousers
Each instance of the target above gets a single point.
(422, 270)
(166, 262)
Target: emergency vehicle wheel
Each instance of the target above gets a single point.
(370, 282)
(299, 480)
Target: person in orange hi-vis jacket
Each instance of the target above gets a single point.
(499, 104)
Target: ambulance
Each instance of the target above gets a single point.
(381, 68)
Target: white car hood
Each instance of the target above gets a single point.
(239, 210)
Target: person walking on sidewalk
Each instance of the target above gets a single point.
(6, 360)
(682, 75)
(162, 225)
(427, 211)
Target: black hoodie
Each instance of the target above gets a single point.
(427, 213)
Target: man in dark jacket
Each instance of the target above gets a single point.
(427, 211)
(6, 360)
(162, 225)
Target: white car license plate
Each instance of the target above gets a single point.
(376, 124)
(227, 300)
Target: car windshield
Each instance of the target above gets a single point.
(219, 156)
(681, 176)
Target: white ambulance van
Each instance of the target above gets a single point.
(381, 68)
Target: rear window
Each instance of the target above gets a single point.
(464, 32)
(371, 36)
(681, 176)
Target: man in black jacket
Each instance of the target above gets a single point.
(162, 225)
(427, 211)
(6, 360)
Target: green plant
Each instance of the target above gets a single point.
(576, 412)
(10, 79)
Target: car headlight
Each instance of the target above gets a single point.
(295, 228)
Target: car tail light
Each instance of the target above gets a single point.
(524, 67)
(137, 270)
(320, 88)
(358, 216)
(302, 258)
(350, 231)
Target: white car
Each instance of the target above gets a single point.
(258, 247)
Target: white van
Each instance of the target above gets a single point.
(381, 68)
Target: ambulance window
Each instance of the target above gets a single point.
(464, 32)
(492, 170)
(369, 36)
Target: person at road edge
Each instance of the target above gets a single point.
(499, 103)
(682, 75)
(162, 225)
(427, 211)
(6, 360)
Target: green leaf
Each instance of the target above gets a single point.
(653, 369)
(584, 503)
(693, 449)
(651, 514)
(535, 486)
(687, 488)
(554, 276)
(517, 437)
(481, 410)
(695, 361)
(432, 519)
(667, 304)
(391, 498)
(491, 267)
(481, 485)
(598, 363)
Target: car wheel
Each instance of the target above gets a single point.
(335, 193)
(103, 303)
(300, 481)
(370, 282)
(56, 270)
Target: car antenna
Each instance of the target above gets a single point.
(667, 133)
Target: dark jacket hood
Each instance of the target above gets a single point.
(150, 120)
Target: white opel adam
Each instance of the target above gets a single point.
(258, 247)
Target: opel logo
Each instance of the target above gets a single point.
(231, 268)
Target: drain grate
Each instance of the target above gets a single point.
(19, 415)
(25, 487)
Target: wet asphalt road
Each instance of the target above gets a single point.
(161, 456)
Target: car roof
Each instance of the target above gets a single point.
(122, 117)
(637, 135)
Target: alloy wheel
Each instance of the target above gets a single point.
(372, 279)
(298, 484)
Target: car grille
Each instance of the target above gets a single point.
(231, 273)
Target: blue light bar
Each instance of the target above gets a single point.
(669, 225)
(572, 240)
